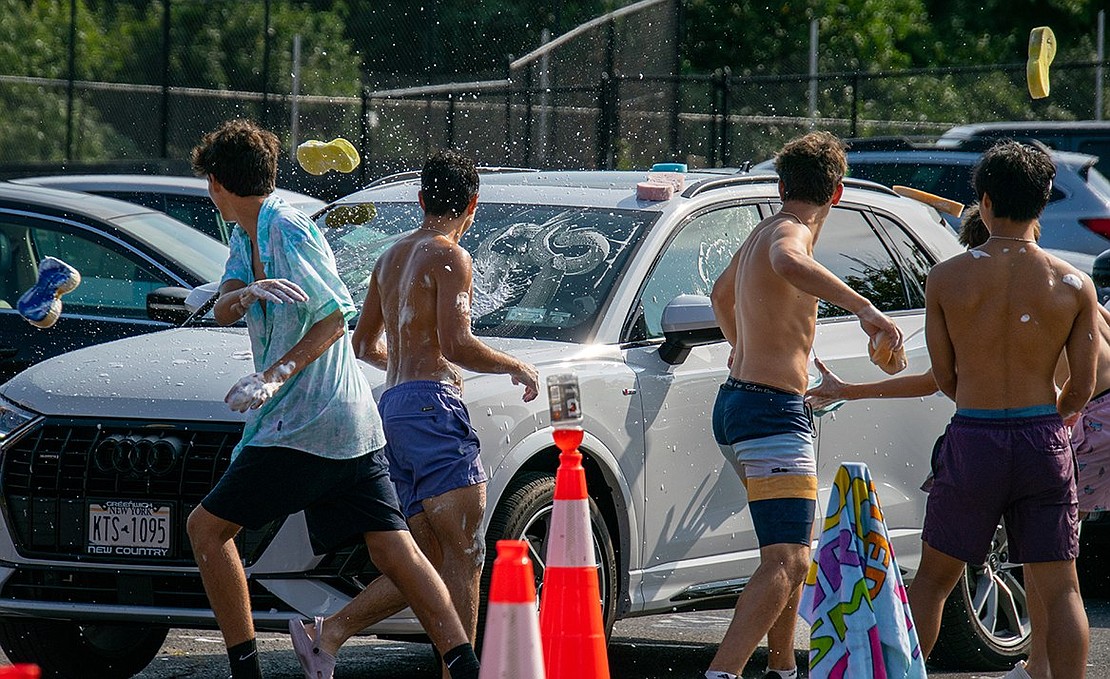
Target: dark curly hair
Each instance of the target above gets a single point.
(811, 167)
(241, 156)
(973, 232)
(1017, 177)
(448, 182)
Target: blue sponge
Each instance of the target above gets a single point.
(42, 304)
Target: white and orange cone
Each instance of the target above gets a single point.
(511, 645)
(571, 627)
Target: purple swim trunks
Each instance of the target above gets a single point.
(430, 444)
(1090, 438)
(1020, 469)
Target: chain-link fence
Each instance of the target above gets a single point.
(145, 79)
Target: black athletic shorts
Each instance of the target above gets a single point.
(341, 499)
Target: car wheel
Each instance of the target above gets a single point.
(70, 650)
(524, 513)
(985, 625)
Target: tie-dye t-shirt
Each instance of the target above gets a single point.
(326, 409)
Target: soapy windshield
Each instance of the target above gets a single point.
(541, 272)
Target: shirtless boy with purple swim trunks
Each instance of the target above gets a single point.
(996, 324)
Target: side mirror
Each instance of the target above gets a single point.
(688, 322)
(168, 305)
(201, 296)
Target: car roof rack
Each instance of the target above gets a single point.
(725, 182)
(415, 174)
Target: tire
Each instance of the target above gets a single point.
(70, 650)
(985, 624)
(524, 513)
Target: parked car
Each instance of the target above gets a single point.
(571, 272)
(1081, 136)
(1077, 218)
(137, 266)
(183, 198)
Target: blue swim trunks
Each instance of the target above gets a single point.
(431, 446)
(769, 435)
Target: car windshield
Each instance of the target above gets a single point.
(540, 272)
(200, 255)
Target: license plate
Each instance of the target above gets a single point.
(129, 528)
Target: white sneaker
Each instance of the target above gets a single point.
(1018, 672)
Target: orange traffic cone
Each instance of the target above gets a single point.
(20, 672)
(570, 606)
(511, 647)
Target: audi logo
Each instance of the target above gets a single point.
(134, 455)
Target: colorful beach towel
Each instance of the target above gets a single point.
(854, 598)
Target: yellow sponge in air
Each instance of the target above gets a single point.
(1042, 50)
(317, 157)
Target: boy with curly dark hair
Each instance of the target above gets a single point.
(313, 439)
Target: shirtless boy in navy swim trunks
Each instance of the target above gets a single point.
(766, 305)
(419, 298)
(996, 324)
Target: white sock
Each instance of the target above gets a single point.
(714, 674)
(785, 674)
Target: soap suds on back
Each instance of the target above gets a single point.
(978, 253)
(1073, 280)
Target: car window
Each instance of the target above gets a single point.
(850, 248)
(112, 284)
(950, 181)
(692, 261)
(202, 257)
(915, 262)
(540, 271)
(196, 211)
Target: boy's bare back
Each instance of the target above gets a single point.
(775, 321)
(423, 282)
(1005, 313)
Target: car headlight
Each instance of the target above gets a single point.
(13, 418)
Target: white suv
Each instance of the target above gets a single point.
(106, 450)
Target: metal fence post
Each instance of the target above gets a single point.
(364, 132)
(676, 90)
(507, 159)
(72, 77)
(266, 64)
(726, 105)
(450, 121)
(164, 143)
(527, 116)
(855, 103)
(714, 118)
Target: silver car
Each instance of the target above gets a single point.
(107, 449)
(183, 198)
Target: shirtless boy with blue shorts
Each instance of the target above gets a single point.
(419, 298)
(313, 439)
(766, 305)
(996, 326)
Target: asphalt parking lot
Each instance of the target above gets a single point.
(675, 646)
